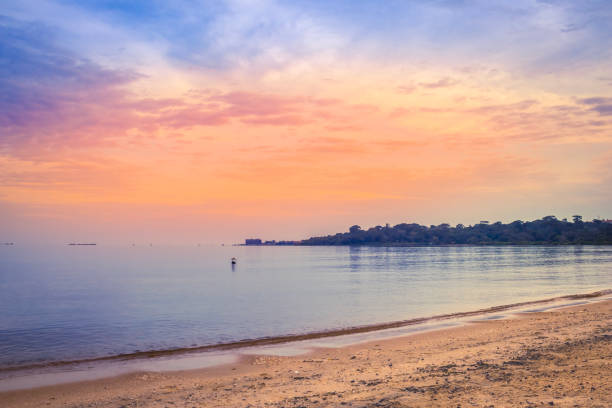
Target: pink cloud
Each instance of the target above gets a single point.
(441, 83)
(281, 120)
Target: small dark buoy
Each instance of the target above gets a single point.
(234, 261)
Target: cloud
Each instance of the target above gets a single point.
(49, 96)
(330, 145)
(604, 110)
(441, 83)
(482, 109)
(87, 177)
(406, 89)
(601, 105)
(231, 34)
(607, 80)
(398, 144)
(52, 98)
(510, 107)
(598, 100)
(281, 120)
(527, 120)
(252, 108)
(244, 104)
(343, 128)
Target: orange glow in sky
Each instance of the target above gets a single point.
(284, 120)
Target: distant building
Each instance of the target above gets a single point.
(252, 241)
(273, 242)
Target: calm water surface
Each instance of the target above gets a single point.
(65, 303)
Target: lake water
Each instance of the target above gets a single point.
(77, 302)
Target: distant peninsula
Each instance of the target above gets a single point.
(546, 231)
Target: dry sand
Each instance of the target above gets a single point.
(556, 358)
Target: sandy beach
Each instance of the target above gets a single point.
(561, 357)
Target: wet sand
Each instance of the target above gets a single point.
(561, 357)
(334, 333)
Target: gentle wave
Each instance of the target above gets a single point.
(266, 341)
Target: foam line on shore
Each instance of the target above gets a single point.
(267, 341)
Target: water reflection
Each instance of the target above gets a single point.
(64, 303)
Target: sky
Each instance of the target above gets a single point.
(213, 121)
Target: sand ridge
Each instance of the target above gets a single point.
(561, 358)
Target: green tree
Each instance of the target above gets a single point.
(354, 229)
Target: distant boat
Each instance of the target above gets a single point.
(234, 260)
(82, 243)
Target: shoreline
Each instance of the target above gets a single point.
(556, 357)
(15, 379)
(293, 338)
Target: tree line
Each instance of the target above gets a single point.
(546, 231)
